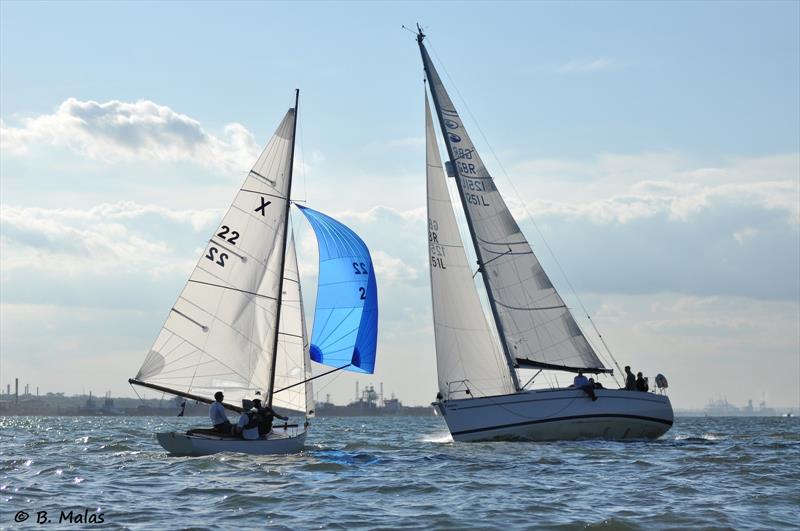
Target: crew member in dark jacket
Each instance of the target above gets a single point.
(265, 417)
(630, 379)
(641, 383)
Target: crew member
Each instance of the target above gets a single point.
(581, 382)
(247, 427)
(641, 383)
(630, 379)
(266, 415)
(218, 416)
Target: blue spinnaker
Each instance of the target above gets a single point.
(346, 312)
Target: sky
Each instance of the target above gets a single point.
(654, 148)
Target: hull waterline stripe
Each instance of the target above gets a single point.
(558, 419)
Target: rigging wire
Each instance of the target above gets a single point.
(317, 391)
(527, 212)
(302, 158)
(137, 394)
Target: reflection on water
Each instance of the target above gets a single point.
(404, 473)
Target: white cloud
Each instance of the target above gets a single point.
(392, 269)
(106, 239)
(120, 131)
(745, 234)
(689, 338)
(380, 212)
(621, 188)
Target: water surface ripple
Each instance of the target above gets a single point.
(404, 473)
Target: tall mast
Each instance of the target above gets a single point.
(283, 254)
(484, 274)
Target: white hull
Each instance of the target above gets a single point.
(558, 414)
(279, 441)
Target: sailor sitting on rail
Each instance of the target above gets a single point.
(581, 382)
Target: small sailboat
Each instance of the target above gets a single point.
(480, 395)
(239, 326)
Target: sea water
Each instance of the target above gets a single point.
(399, 473)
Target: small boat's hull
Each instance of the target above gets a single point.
(558, 414)
(278, 442)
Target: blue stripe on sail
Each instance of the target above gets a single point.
(346, 313)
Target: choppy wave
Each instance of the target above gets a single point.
(405, 473)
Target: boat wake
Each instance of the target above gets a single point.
(445, 438)
(706, 437)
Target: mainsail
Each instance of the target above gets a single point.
(292, 365)
(468, 357)
(220, 334)
(535, 326)
(345, 330)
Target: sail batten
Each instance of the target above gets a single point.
(532, 320)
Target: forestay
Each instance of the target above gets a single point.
(219, 334)
(468, 357)
(533, 320)
(292, 364)
(346, 311)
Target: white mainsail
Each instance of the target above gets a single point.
(532, 319)
(468, 356)
(220, 333)
(293, 364)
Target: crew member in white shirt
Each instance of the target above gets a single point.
(218, 416)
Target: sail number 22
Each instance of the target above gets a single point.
(225, 233)
(361, 269)
(217, 257)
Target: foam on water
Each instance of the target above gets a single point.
(438, 439)
(406, 473)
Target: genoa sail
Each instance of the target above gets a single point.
(535, 326)
(292, 366)
(220, 333)
(468, 356)
(345, 331)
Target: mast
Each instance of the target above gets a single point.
(283, 254)
(486, 283)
